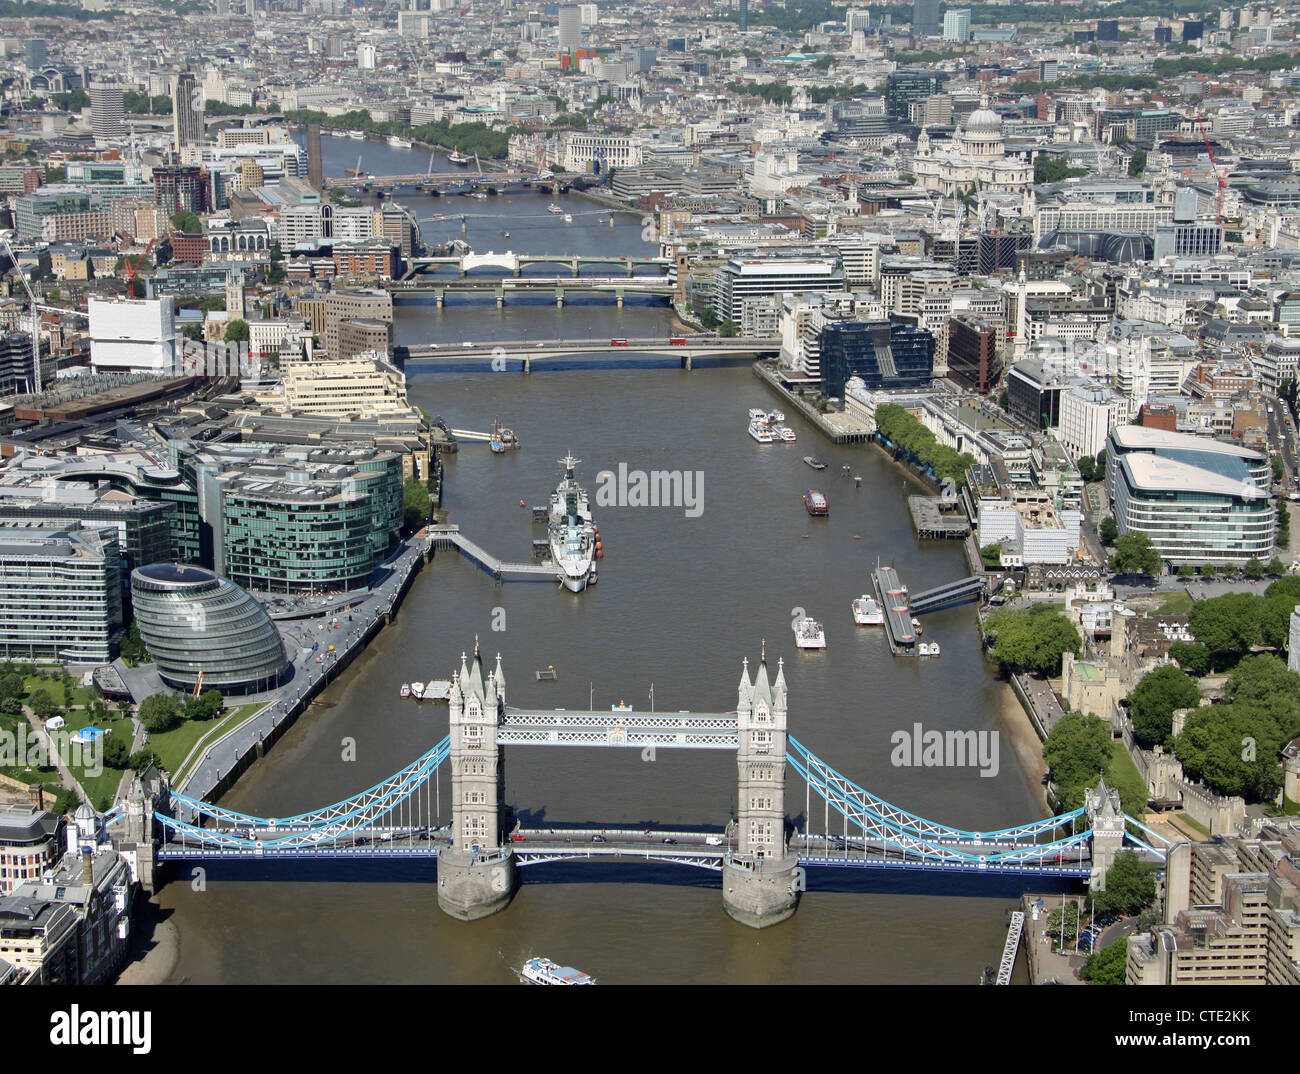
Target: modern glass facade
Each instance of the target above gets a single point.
(883, 354)
(279, 537)
(60, 594)
(1199, 500)
(194, 623)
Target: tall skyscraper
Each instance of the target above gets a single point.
(925, 18)
(744, 15)
(187, 111)
(956, 25)
(107, 112)
(315, 169)
(35, 53)
(570, 27)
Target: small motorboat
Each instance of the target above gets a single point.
(816, 464)
(522, 504)
(916, 626)
(406, 689)
(417, 688)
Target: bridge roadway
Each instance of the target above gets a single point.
(537, 846)
(701, 346)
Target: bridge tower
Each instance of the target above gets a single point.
(1106, 819)
(760, 877)
(476, 874)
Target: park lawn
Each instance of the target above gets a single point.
(1178, 603)
(81, 695)
(35, 774)
(175, 745)
(100, 788)
(1122, 774)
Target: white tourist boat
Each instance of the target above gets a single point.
(399, 143)
(417, 689)
(406, 689)
(554, 210)
(928, 648)
(868, 612)
(808, 634)
(543, 971)
(760, 432)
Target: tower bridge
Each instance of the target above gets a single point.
(759, 855)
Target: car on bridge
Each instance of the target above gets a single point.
(598, 839)
(618, 342)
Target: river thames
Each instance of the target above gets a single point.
(680, 602)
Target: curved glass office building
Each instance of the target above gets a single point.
(194, 623)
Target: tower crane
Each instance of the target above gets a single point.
(131, 269)
(37, 310)
(1214, 167)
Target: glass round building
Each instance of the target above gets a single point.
(194, 623)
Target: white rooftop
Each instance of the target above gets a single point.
(1145, 438)
(1156, 474)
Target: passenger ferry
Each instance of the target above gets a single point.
(543, 971)
(816, 504)
(554, 210)
(356, 136)
(458, 158)
(398, 143)
(760, 432)
(808, 634)
(868, 612)
(785, 433)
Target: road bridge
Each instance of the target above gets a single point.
(760, 856)
(523, 354)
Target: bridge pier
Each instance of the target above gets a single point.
(439, 295)
(473, 886)
(574, 265)
(761, 893)
(528, 365)
(687, 363)
(559, 296)
(501, 297)
(619, 296)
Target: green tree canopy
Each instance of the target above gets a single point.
(186, 222)
(116, 752)
(1135, 554)
(236, 331)
(1234, 748)
(1130, 886)
(1193, 658)
(416, 504)
(159, 712)
(1226, 625)
(208, 705)
(1152, 702)
(1077, 751)
(1109, 530)
(1032, 639)
(1107, 966)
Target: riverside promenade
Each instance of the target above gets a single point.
(225, 759)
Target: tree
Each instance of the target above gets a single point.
(1276, 568)
(115, 752)
(1109, 530)
(159, 712)
(1107, 966)
(1004, 399)
(142, 759)
(1087, 468)
(1152, 702)
(133, 645)
(236, 331)
(728, 328)
(1226, 625)
(1130, 886)
(1101, 465)
(1033, 639)
(186, 223)
(1077, 752)
(1208, 570)
(42, 704)
(206, 706)
(1053, 169)
(1186, 571)
(1261, 678)
(1253, 569)
(1135, 554)
(1193, 659)
(1063, 924)
(991, 556)
(1137, 163)
(1234, 749)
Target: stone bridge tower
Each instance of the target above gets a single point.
(1106, 819)
(476, 874)
(760, 878)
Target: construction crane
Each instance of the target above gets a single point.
(1214, 167)
(131, 269)
(37, 310)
